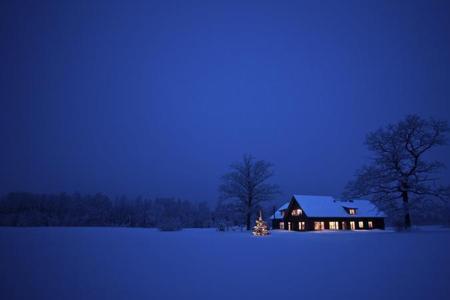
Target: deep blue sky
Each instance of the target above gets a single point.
(158, 97)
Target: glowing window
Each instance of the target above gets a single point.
(352, 225)
(352, 211)
(281, 225)
(334, 225)
(361, 224)
(289, 225)
(297, 212)
(370, 224)
(301, 225)
(319, 225)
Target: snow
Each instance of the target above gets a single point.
(365, 208)
(124, 263)
(277, 214)
(320, 206)
(284, 206)
(327, 206)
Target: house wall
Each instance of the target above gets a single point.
(378, 223)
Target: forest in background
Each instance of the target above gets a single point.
(29, 209)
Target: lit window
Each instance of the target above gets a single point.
(301, 225)
(352, 225)
(281, 225)
(370, 224)
(296, 212)
(343, 225)
(289, 225)
(352, 211)
(319, 225)
(334, 225)
(361, 224)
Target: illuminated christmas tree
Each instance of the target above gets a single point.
(261, 227)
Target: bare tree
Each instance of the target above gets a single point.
(399, 172)
(246, 183)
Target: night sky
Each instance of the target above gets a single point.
(159, 97)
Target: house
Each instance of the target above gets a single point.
(307, 213)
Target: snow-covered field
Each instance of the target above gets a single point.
(119, 263)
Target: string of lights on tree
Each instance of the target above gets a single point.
(261, 228)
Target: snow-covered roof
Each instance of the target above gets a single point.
(284, 206)
(364, 208)
(327, 206)
(278, 214)
(320, 206)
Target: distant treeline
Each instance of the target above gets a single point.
(27, 209)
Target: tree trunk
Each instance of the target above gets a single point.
(406, 210)
(249, 211)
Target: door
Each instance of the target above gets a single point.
(352, 225)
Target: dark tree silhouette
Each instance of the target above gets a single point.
(246, 184)
(27, 209)
(399, 172)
